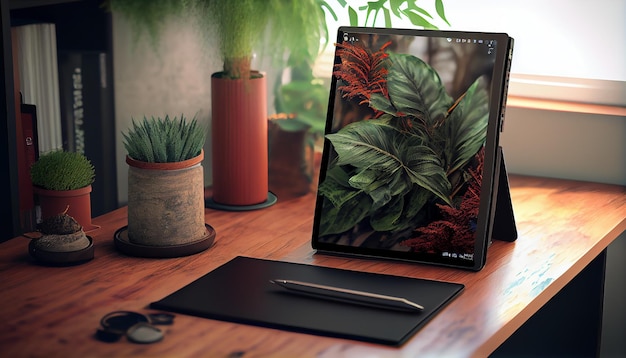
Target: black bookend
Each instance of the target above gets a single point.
(503, 228)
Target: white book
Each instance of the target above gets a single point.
(39, 80)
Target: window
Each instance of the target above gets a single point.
(569, 50)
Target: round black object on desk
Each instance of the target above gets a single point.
(120, 321)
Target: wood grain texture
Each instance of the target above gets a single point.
(54, 311)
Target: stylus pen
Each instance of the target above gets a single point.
(347, 294)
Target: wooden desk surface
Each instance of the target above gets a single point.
(54, 311)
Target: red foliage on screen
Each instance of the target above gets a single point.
(362, 70)
(455, 231)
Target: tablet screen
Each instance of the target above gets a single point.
(410, 148)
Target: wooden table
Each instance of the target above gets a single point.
(564, 226)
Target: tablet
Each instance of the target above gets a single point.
(410, 154)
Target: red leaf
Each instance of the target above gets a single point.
(363, 71)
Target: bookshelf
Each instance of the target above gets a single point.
(82, 26)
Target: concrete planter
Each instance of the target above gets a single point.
(166, 202)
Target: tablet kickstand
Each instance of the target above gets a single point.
(503, 224)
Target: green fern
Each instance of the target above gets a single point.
(148, 16)
(164, 140)
(61, 170)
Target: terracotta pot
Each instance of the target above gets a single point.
(239, 140)
(291, 161)
(77, 202)
(166, 202)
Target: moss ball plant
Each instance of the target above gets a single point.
(62, 170)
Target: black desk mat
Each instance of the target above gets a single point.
(240, 291)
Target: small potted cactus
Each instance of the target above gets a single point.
(62, 182)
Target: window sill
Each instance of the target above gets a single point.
(564, 106)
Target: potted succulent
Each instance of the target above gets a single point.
(165, 189)
(62, 182)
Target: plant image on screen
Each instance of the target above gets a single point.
(405, 172)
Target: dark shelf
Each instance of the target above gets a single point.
(24, 4)
(81, 25)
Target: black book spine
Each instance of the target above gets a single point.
(88, 121)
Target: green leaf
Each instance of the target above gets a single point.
(335, 187)
(382, 103)
(426, 171)
(364, 180)
(387, 17)
(366, 144)
(417, 9)
(375, 184)
(395, 6)
(373, 8)
(419, 20)
(371, 145)
(307, 99)
(324, 5)
(380, 197)
(466, 127)
(414, 202)
(440, 11)
(415, 89)
(386, 219)
(340, 219)
(354, 18)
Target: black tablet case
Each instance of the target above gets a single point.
(240, 291)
